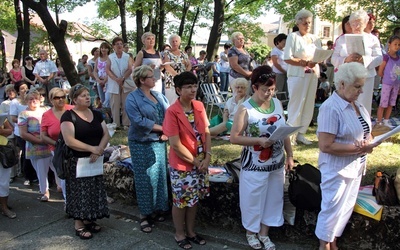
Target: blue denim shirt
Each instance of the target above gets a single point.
(142, 113)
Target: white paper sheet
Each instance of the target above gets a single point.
(355, 44)
(283, 131)
(321, 55)
(84, 168)
(387, 135)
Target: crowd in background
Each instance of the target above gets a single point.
(156, 97)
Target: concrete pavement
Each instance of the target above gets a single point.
(43, 225)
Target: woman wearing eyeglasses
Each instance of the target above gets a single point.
(263, 161)
(37, 151)
(50, 126)
(87, 136)
(302, 74)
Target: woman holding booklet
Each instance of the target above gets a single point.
(85, 132)
(370, 57)
(344, 139)
(302, 74)
(263, 161)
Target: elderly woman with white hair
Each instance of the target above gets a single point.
(149, 56)
(241, 90)
(371, 58)
(176, 61)
(344, 133)
(239, 58)
(302, 74)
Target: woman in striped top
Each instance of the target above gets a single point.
(344, 133)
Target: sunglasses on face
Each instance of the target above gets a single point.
(59, 97)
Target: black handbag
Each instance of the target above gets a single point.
(62, 155)
(304, 187)
(9, 155)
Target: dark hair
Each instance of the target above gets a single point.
(227, 46)
(392, 38)
(202, 52)
(117, 39)
(188, 47)
(371, 17)
(344, 21)
(105, 45)
(27, 58)
(295, 28)
(164, 46)
(76, 90)
(93, 50)
(184, 78)
(263, 75)
(18, 84)
(323, 75)
(279, 38)
(329, 43)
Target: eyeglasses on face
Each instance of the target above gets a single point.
(59, 97)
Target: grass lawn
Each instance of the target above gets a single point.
(385, 157)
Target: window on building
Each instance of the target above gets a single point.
(327, 32)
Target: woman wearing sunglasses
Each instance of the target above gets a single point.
(50, 127)
(263, 161)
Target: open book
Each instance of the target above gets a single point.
(355, 44)
(387, 135)
(321, 55)
(283, 131)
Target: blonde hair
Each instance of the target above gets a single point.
(145, 35)
(140, 73)
(54, 91)
(235, 35)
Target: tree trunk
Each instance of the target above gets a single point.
(57, 34)
(3, 52)
(139, 30)
(216, 30)
(122, 12)
(27, 31)
(161, 19)
(20, 29)
(193, 24)
(185, 9)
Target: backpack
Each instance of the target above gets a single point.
(304, 187)
(62, 154)
(384, 190)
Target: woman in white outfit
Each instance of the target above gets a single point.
(344, 127)
(262, 175)
(120, 82)
(302, 74)
(372, 58)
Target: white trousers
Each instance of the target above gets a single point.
(339, 196)
(261, 199)
(300, 108)
(59, 182)
(366, 96)
(4, 181)
(41, 167)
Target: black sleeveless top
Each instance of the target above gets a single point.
(29, 73)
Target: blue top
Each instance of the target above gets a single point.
(143, 114)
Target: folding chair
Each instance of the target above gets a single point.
(212, 97)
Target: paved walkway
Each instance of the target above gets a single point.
(43, 225)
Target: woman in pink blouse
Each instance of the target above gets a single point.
(50, 126)
(15, 72)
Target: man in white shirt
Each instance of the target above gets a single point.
(45, 70)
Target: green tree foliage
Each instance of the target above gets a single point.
(7, 16)
(260, 52)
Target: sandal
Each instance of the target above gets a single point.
(197, 239)
(9, 214)
(93, 227)
(44, 198)
(158, 218)
(83, 233)
(253, 241)
(146, 227)
(268, 245)
(185, 244)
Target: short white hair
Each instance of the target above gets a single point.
(359, 15)
(146, 35)
(171, 37)
(236, 35)
(349, 73)
(301, 15)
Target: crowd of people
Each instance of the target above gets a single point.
(134, 88)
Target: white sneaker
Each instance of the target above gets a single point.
(387, 123)
(302, 139)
